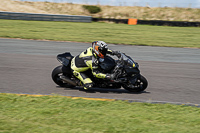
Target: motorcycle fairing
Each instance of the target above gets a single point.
(107, 65)
(65, 58)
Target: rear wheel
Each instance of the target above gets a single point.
(56, 76)
(140, 85)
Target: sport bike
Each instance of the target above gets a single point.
(125, 69)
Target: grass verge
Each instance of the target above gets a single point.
(111, 33)
(60, 114)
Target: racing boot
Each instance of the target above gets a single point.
(87, 85)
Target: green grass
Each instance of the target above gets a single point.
(28, 114)
(111, 33)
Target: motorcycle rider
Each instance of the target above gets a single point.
(89, 59)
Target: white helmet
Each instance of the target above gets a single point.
(100, 48)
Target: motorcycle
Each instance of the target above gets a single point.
(125, 69)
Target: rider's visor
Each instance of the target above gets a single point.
(103, 50)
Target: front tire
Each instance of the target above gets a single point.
(140, 85)
(56, 74)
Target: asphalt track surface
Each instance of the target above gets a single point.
(173, 73)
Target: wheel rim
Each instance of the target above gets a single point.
(58, 79)
(137, 87)
(139, 84)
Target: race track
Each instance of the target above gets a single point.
(173, 73)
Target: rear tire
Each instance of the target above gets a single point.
(140, 85)
(56, 73)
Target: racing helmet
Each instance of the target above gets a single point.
(100, 48)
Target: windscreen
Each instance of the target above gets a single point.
(128, 60)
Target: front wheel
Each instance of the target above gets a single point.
(56, 77)
(140, 85)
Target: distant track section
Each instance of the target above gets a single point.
(44, 17)
(88, 19)
(152, 22)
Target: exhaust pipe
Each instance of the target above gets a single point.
(69, 81)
